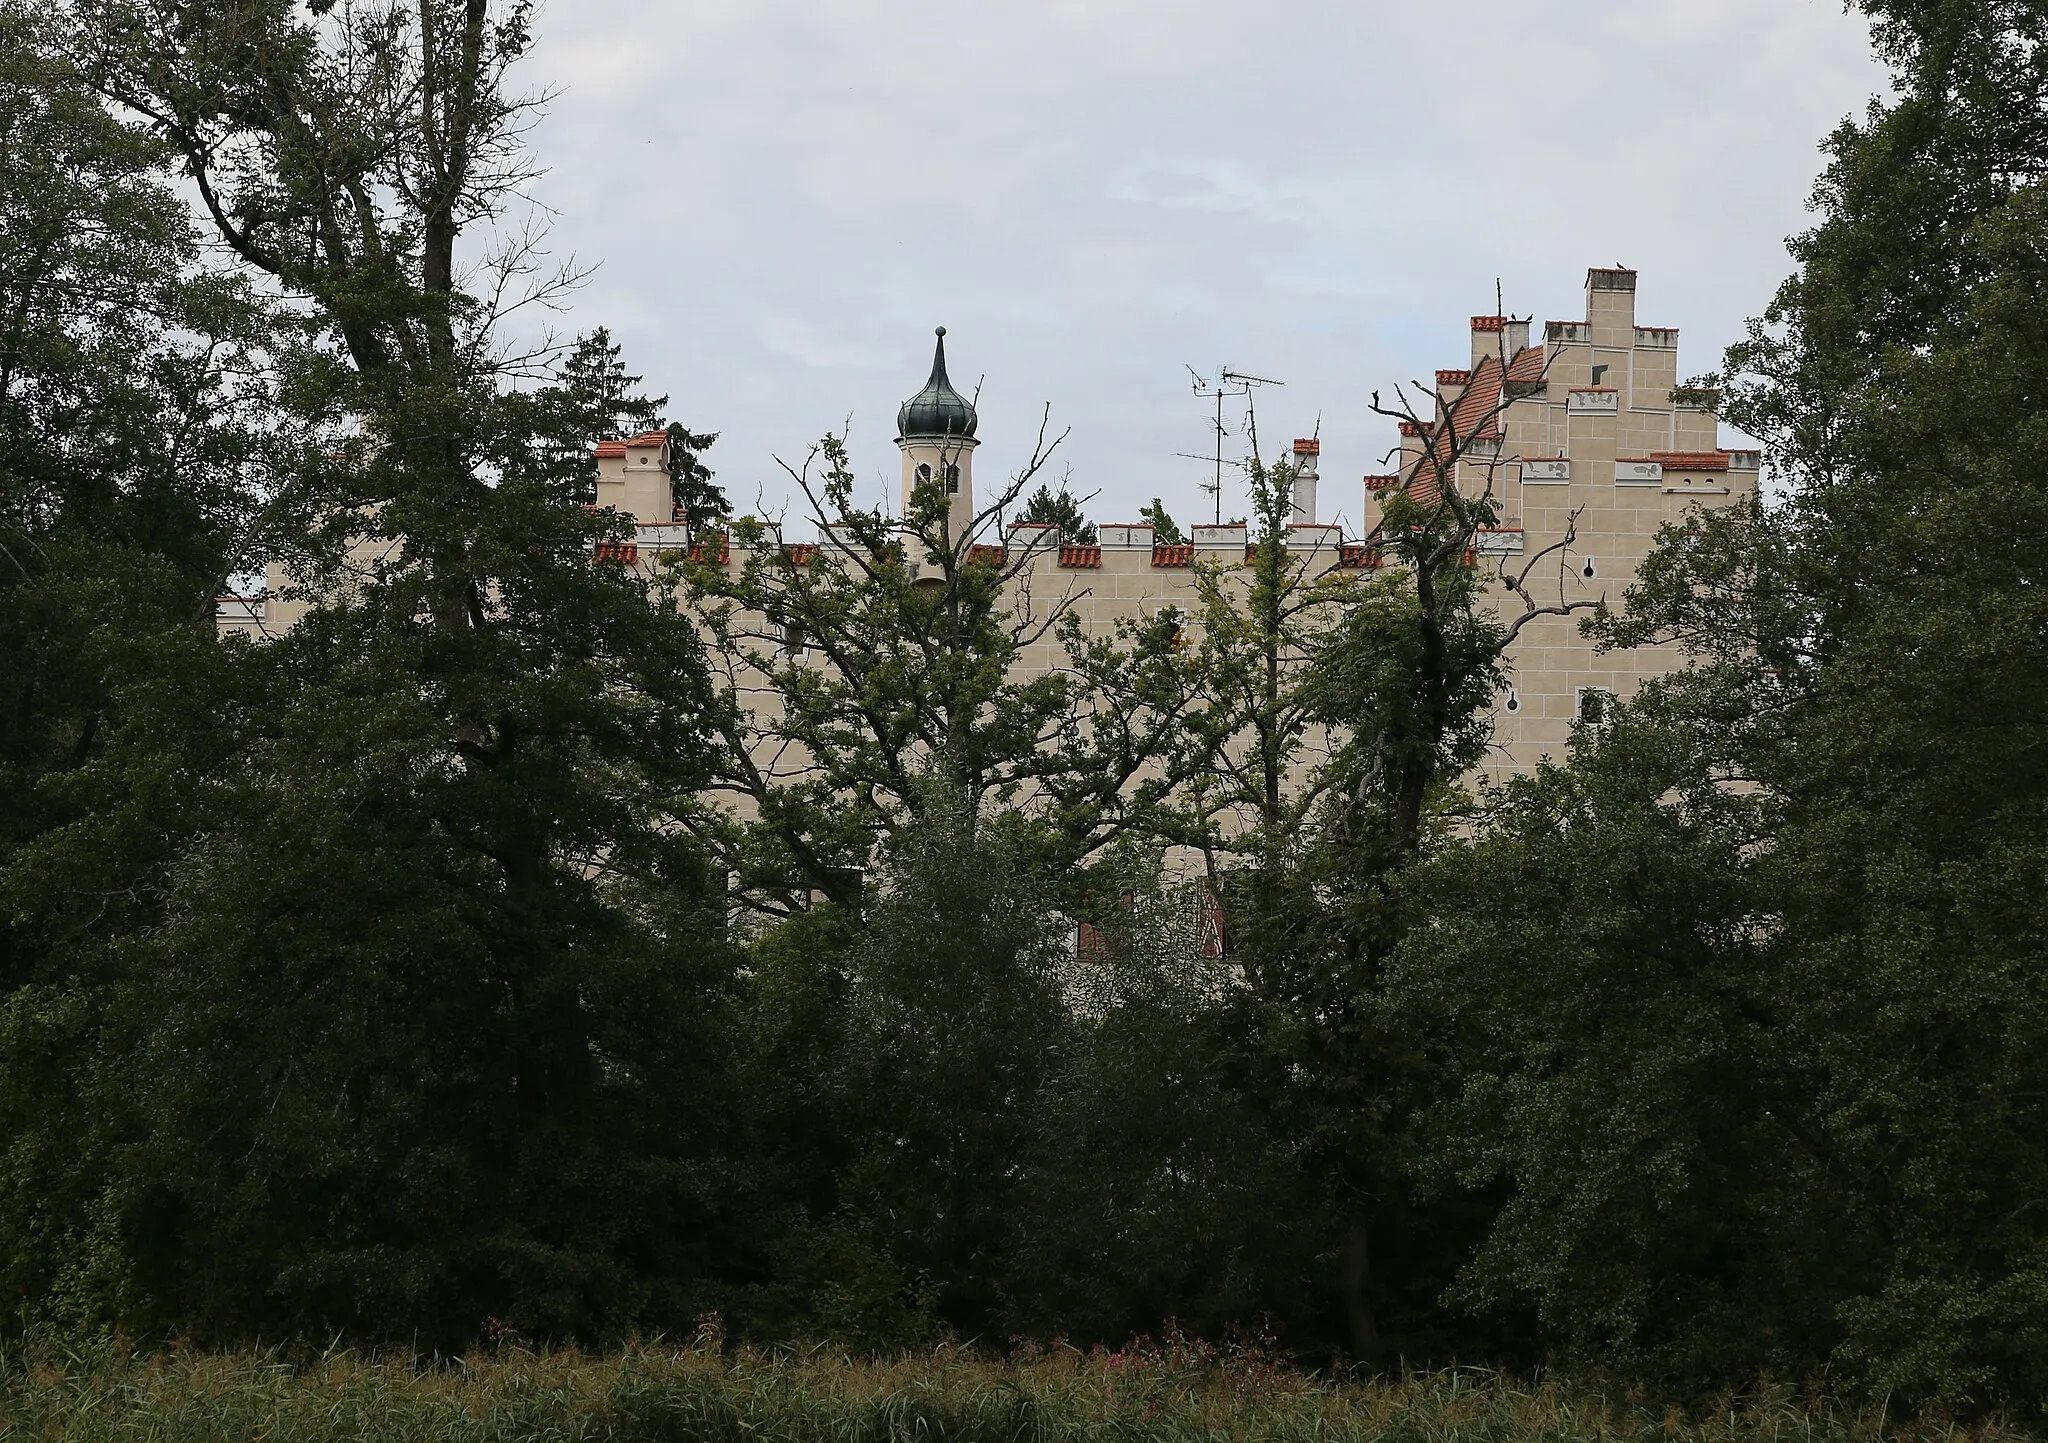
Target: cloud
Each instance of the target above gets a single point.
(785, 196)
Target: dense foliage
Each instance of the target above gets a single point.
(478, 956)
(1766, 1075)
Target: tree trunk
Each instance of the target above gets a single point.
(1366, 1345)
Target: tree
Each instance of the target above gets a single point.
(891, 653)
(605, 395)
(1347, 698)
(1045, 508)
(136, 425)
(604, 401)
(1159, 1188)
(1822, 1130)
(1165, 531)
(699, 500)
(426, 983)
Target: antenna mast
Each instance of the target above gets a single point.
(1233, 385)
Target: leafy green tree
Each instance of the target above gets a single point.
(417, 1024)
(1819, 1127)
(891, 651)
(1347, 697)
(1159, 1188)
(135, 428)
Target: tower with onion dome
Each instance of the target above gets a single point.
(935, 433)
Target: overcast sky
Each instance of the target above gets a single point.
(784, 197)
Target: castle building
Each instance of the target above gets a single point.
(1584, 441)
(1589, 447)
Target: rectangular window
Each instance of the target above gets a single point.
(1593, 705)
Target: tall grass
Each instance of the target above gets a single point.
(684, 1395)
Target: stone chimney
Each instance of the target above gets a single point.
(1305, 453)
(1487, 337)
(632, 477)
(1611, 307)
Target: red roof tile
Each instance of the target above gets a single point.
(1183, 555)
(608, 450)
(1692, 460)
(648, 438)
(1489, 323)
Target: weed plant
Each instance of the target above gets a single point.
(702, 1393)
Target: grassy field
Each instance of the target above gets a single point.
(1173, 1395)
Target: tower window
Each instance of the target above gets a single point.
(952, 479)
(924, 475)
(1593, 705)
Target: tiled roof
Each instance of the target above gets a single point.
(612, 450)
(1474, 416)
(1489, 323)
(1080, 556)
(1182, 555)
(1692, 460)
(1453, 378)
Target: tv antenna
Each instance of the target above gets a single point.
(1231, 385)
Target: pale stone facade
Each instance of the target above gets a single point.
(1589, 438)
(1588, 435)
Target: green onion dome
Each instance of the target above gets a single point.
(937, 410)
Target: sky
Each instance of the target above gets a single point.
(780, 199)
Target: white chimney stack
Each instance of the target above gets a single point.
(1305, 454)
